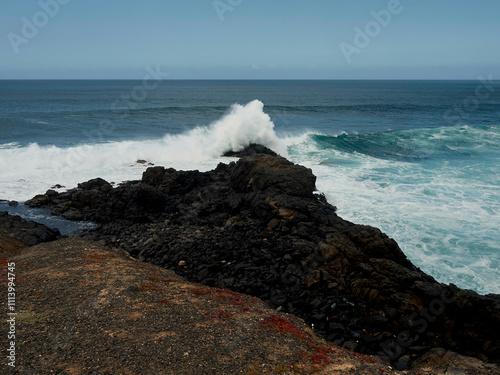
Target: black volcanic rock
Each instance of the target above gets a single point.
(16, 233)
(264, 172)
(250, 150)
(95, 184)
(257, 226)
(99, 202)
(173, 182)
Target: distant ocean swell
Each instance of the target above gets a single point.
(415, 144)
(436, 191)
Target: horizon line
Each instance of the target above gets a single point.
(243, 79)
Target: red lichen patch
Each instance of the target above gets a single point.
(166, 301)
(201, 292)
(150, 286)
(282, 325)
(9, 273)
(223, 295)
(364, 357)
(170, 280)
(234, 298)
(315, 359)
(220, 316)
(321, 356)
(223, 314)
(3, 267)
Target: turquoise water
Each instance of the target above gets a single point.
(420, 160)
(436, 191)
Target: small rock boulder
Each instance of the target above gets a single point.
(265, 172)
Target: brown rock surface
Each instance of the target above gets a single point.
(85, 309)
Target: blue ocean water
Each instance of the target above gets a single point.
(418, 159)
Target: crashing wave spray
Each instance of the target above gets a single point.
(241, 126)
(29, 170)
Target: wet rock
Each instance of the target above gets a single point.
(95, 184)
(40, 200)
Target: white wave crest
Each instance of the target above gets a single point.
(31, 169)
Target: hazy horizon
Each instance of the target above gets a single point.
(242, 79)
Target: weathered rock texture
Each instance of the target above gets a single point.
(257, 226)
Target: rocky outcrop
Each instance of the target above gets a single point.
(17, 233)
(439, 361)
(257, 226)
(97, 201)
(250, 150)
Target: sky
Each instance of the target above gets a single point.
(250, 39)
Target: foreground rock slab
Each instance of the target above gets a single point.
(84, 308)
(87, 309)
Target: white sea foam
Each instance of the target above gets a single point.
(445, 222)
(30, 170)
(9, 145)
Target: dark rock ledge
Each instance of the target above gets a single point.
(17, 233)
(257, 226)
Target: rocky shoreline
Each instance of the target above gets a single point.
(17, 233)
(257, 226)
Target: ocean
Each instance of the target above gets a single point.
(418, 159)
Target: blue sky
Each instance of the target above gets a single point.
(250, 39)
